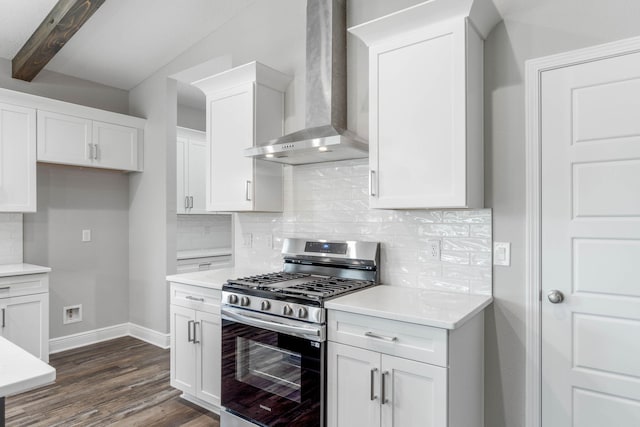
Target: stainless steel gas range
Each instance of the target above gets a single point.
(274, 332)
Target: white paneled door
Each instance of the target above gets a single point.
(590, 130)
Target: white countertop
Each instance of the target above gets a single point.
(20, 370)
(21, 269)
(214, 278)
(204, 253)
(425, 307)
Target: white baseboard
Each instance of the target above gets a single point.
(82, 339)
(149, 335)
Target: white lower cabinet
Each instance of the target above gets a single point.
(376, 389)
(395, 374)
(24, 312)
(195, 343)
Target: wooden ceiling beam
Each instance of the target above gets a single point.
(64, 20)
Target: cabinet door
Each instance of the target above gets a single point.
(17, 159)
(418, 119)
(116, 146)
(230, 178)
(196, 175)
(415, 394)
(353, 386)
(183, 350)
(208, 360)
(181, 175)
(64, 139)
(23, 323)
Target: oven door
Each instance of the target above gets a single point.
(272, 370)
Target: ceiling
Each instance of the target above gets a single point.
(125, 41)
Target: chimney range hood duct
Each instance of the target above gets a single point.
(325, 138)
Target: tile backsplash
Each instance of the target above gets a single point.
(196, 232)
(330, 201)
(10, 238)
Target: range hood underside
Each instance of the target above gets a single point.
(315, 145)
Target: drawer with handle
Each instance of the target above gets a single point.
(14, 286)
(196, 297)
(408, 340)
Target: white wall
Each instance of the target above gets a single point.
(70, 199)
(66, 88)
(530, 30)
(95, 273)
(192, 118)
(268, 31)
(152, 214)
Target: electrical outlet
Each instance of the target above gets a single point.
(86, 235)
(433, 249)
(247, 240)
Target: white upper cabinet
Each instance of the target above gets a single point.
(17, 159)
(426, 104)
(245, 107)
(191, 155)
(73, 140)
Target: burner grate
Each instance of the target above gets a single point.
(327, 287)
(266, 279)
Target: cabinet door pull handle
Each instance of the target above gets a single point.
(191, 202)
(372, 192)
(380, 337)
(97, 151)
(3, 324)
(194, 298)
(372, 392)
(204, 266)
(384, 386)
(189, 339)
(247, 196)
(5, 288)
(186, 202)
(195, 340)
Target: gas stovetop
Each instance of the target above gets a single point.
(301, 285)
(313, 272)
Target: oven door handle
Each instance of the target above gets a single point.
(314, 334)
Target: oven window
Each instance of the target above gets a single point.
(269, 368)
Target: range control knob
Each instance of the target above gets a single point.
(265, 305)
(232, 299)
(287, 310)
(302, 312)
(244, 301)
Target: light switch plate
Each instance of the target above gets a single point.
(502, 253)
(86, 235)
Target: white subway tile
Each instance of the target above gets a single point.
(450, 230)
(483, 230)
(466, 245)
(331, 201)
(476, 217)
(480, 258)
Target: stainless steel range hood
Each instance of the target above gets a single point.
(325, 138)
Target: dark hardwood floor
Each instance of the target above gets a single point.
(122, 382)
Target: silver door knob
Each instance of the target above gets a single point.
(555, 296)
